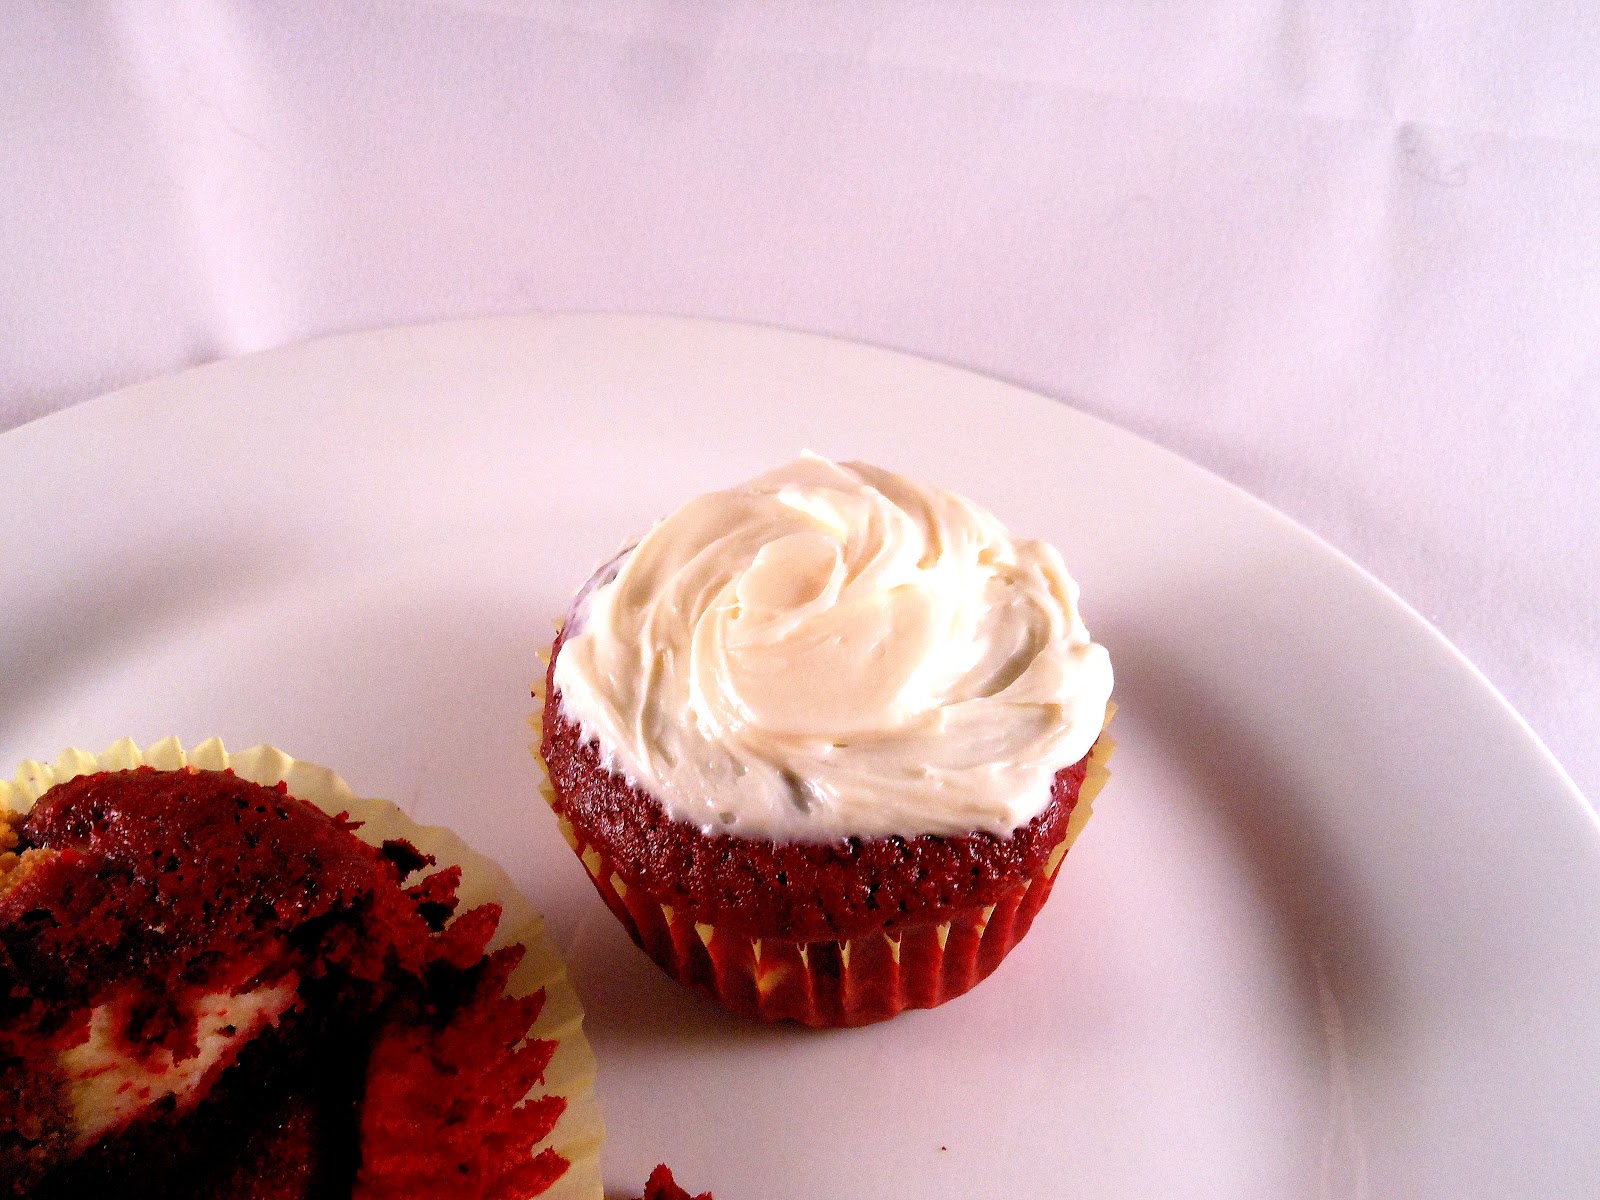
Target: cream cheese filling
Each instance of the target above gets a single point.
(106, 1086)
(831, 650)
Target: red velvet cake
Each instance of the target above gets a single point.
(822, 741)
(209, 988)
(823, 933)
(662, 1186)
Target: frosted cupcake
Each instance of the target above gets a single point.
(822, 741)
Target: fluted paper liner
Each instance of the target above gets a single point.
(570, 1075)
(855, 981)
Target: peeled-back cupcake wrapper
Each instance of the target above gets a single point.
(832, 983)
(570, 1074)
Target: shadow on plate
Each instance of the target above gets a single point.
(128, 597)
(628, 1000)
(1260, 804)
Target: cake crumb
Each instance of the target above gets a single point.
(662, 1186)
(16, 865)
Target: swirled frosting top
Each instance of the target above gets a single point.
(831, 650)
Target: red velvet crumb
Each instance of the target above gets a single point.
(662, 1186)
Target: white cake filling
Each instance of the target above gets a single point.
(107, 1087)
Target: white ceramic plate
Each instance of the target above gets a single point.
(1334, 930)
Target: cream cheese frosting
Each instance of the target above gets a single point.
(832, 650)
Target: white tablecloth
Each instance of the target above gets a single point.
(1347, 255)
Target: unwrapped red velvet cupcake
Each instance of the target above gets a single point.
(822, 741)
(224, 976)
